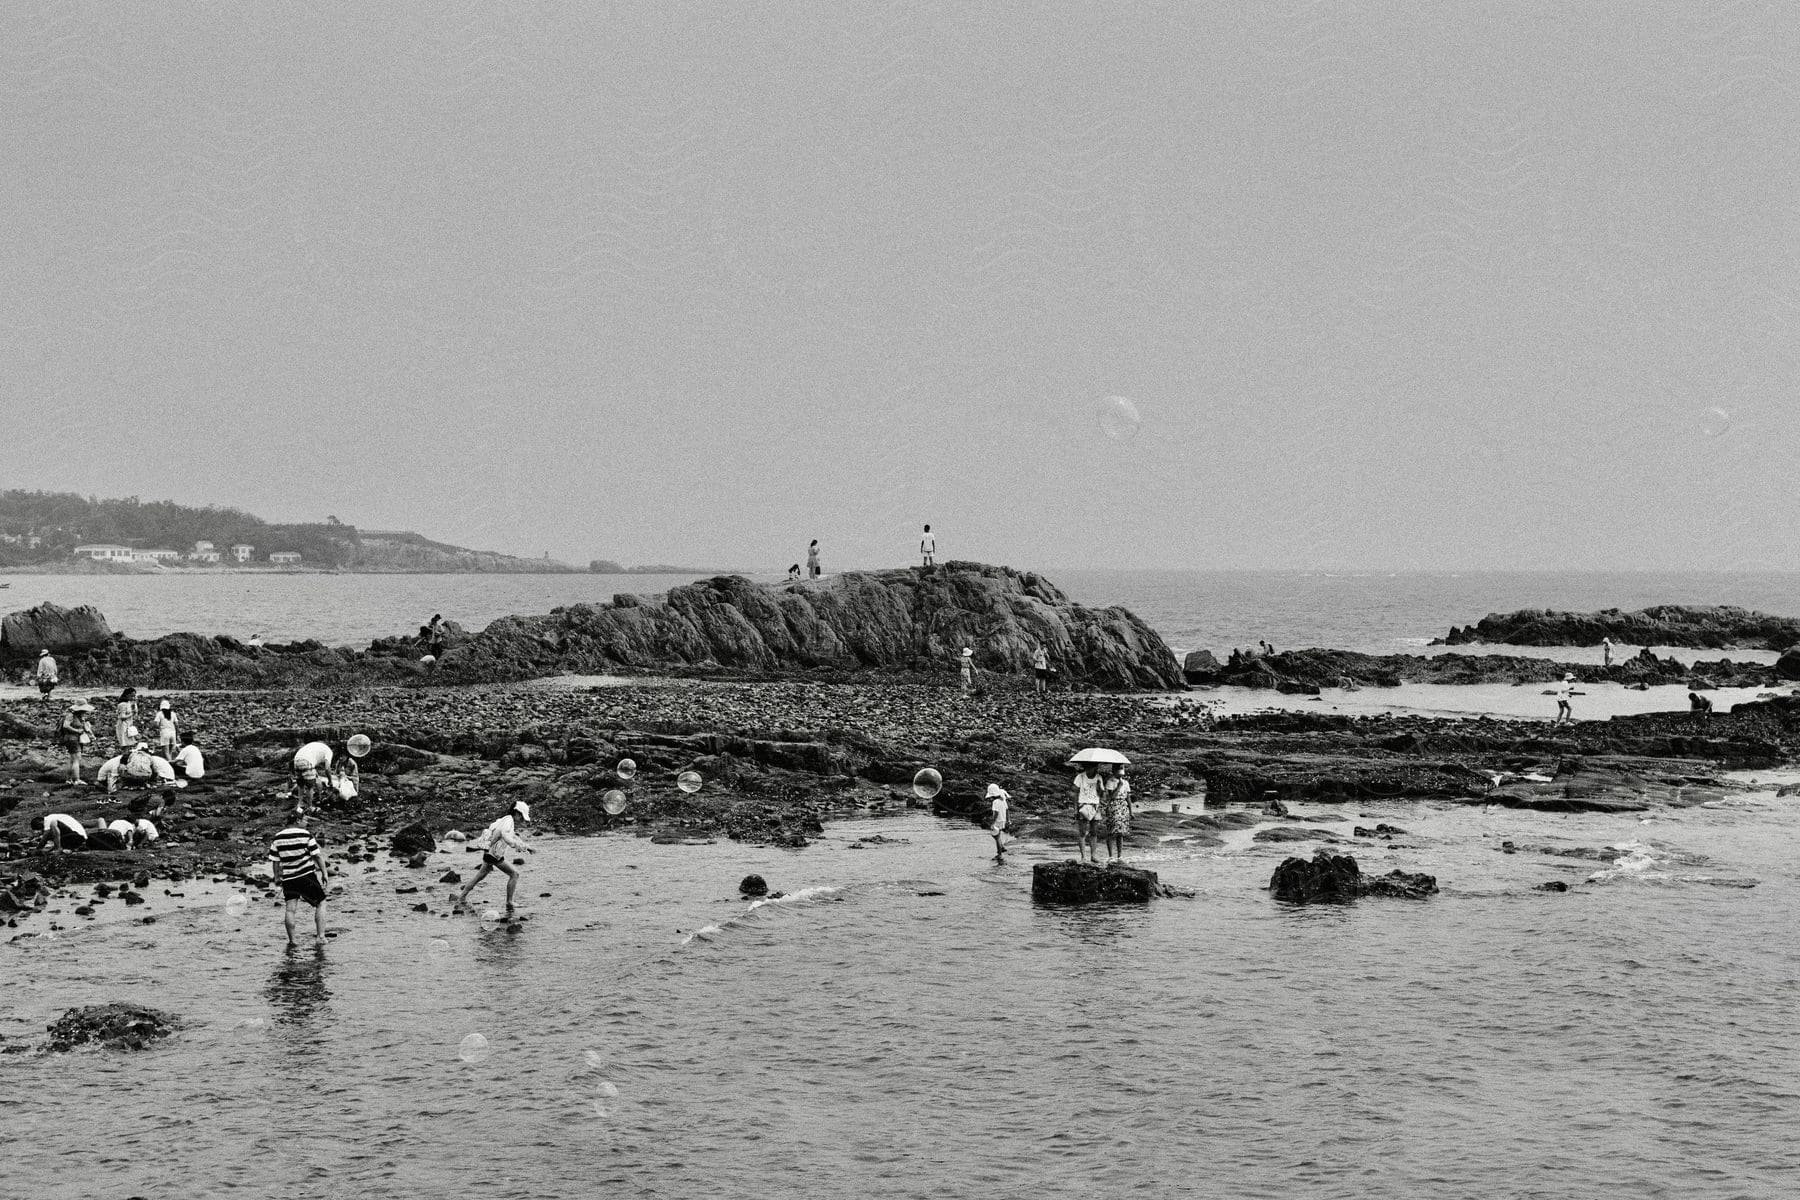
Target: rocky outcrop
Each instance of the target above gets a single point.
(411, 840)
(1306, 672)
(1712, 627)
(1335, 879)
(53, 628)
(115, 1026)
(1072, 882)
(912, 619)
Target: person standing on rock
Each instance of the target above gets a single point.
(812, 560)
(1087, 811)
(298, 865)
(928, 547)
(76, 731)
(499, 836)
(166, 741)
(997, 801)
(1564, 710)
(125, 719)
(1606, 649)
(1115, 811)
(968, 670)
(1040, 667)
(46, 674)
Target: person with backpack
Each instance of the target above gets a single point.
(498, 836)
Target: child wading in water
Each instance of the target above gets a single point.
(500, 835)
(997, 798)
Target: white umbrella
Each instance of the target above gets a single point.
(1100, 754)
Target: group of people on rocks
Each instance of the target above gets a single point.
(1103, 811)
(927, 552)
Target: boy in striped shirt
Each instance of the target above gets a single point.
(299, 867)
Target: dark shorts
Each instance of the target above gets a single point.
(306, 887)
(46, 686)
(488, 860)
(102, 839)
(1042, 672)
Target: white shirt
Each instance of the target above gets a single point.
(314, 755)
(189, 757)
(165, 726)
(164, 771)
(109, 770)
(928, 543)
(69, 824)
(1087, 789)
(47, 668)
(122, 827)
(500, 835)
(147, 830)
(999, 807)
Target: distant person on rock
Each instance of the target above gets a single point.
(928, 547)
(1115, 811)
(812, 560)
(298, 865)
(125, 719)
(967, 669)
(1040, 668)
(997, 800)
(1087, 811)
(76, 731)
(498, 836)
(1699, 705)
(794, 573)
(1564, 710)
(46, 674)
(1606, 649)
(167, 743)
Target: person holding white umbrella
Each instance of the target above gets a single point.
(1088, 785)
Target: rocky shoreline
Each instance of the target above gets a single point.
(1706, 627)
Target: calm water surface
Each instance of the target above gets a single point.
(1633, 1036)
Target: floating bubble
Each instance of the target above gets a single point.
(249, 1027)
(358, 746)
(607, 1091)
(627, 769)
(1714, 422)
(600, 1108)
(688, 781)
(473, 1049)
(492, 914)
(927, 783)
(439, 947)
(1117, 417)
(593, 1059)
(237, 905)
(614, 802)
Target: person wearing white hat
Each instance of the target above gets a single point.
(997, 799)
(1564, 712)
(499, 836)
(1087, 810)
(46, 674)
(167, 742)
(76, 731)
(968, 669)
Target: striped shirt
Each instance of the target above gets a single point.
(294, 853)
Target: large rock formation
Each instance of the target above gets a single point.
(1072, 882)
(1335, 878)
(1307, 671)
(906, 619)
(1713, 627)
(53, 628)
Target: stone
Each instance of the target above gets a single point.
(753, 885)
(1072, 882)
(53, 628)
(115, 1026)
(418, 860)
(449, 877)
(1555, 885)
(412, 839)
(1336, 878)
(1290, 833)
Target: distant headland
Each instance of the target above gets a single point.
(63, 533)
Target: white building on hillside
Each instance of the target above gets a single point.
(155, 555)
(242, 553)
(284, 558)
(103, 552)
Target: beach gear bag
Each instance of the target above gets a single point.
(138, 766)
(346, 787)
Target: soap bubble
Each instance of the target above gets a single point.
(1117, 417)
(492, 914)
(614, 802)
(358, 745)
(600, 1108)
(593, 1059)
(927, 783)
(237, 905)
(1714, 422)
(249, 1027)
(473, 1049)
(688, 781)
(439, 947)
(627, 769)
(607, 1091)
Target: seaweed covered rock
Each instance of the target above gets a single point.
(1072, 882)
(115, 1026)
(1336, 879)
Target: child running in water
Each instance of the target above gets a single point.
(499, 836)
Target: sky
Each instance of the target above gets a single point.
(1404, 286)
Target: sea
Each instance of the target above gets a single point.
(905, 1022)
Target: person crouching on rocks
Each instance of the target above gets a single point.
(1087, 811)
(61, 832)
(298, 865)
(312, 772)
(499, 836)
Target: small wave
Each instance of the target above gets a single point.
(821, 892)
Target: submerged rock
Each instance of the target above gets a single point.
(1336, 878)
(115, 1026)
(1072, 882)
(753, 885)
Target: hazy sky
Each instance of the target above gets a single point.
(1398, 285)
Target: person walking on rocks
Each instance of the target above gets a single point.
(167, 743)
(1040, 667)
(968, 670)
(125, 719)
(76, 731)
(812, 560)
(1564, 710)
(499, 836)
(997, 801)
(46, 674)
(1606, 649)
(299, 867)
(1087, 811)
(928, 547)
(1115, 811)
